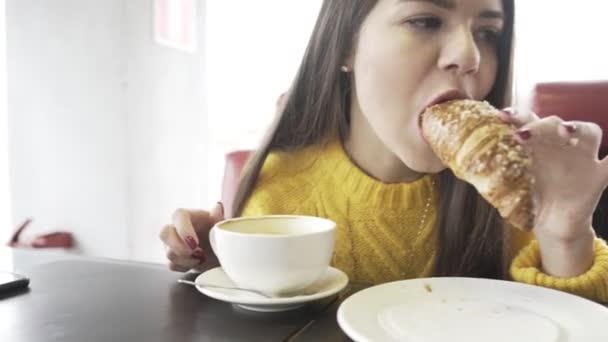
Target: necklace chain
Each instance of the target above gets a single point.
(412, 246)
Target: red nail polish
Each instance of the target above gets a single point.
(199, 254)
(525, 134)
(571, 128)
(191, 242)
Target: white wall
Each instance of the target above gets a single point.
(67, 119)
(253, 51)
(167, 154)
(107, 128)
(6, 221)
(109, 131)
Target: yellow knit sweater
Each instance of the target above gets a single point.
(385, 232)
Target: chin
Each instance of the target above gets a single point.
(421, 158)
(430, 168)
(436, 169)
(432, 164)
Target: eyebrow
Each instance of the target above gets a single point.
(492, 14)
(449, 4)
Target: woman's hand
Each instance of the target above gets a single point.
(569, 180)
(187, 239)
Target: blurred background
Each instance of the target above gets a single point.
(115, 112)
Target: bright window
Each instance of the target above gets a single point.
(560, 40)
(253, 51)
(5, 207)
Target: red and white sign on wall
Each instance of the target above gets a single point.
(175, 23)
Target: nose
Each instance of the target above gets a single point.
(460, 54)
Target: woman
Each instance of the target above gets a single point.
(347, 146)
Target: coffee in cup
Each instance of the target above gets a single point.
(276, 254)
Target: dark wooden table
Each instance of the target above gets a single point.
(85, 299)
(81, 299)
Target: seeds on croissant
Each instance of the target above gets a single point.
(469, 138)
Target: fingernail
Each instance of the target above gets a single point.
(525, 134)
(508, 111)
(218, 210)
(571, 128)
(199, 254)
(191, 243)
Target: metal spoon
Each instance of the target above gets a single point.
(260, 293)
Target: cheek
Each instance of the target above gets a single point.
(384, 91)
(487, 77)
(386, 79)
(380, 82)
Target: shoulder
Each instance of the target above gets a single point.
(285, 183)
(287, 164)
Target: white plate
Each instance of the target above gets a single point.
(469, 309)
(330, 283)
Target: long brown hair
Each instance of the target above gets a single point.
(471, 239)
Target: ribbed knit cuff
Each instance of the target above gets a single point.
(593, 284)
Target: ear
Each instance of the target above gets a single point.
(349, 61)
(347, 66)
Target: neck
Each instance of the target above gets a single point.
(372, 156)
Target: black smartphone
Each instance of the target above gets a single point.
(12, 282)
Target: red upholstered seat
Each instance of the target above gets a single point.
(574, 101)
(235, 162)
(579, 101)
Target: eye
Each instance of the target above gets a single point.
(424, 23)
(489, 35)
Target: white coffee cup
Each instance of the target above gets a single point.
(276, 254)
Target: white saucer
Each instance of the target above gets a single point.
(473, 310)
(330, 283)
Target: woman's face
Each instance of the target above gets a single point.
(413, 53)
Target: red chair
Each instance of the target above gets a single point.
(574, 101)
(235, 162)
(58, 239)
(579, 101)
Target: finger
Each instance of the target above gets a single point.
(541, 131)
(168, 235)
(204, 220)
(183, 224)
(201, 268)
(181, 261)
(586, 135)
(177, 268)
(217, 213)
(518, 118)
(177, 246)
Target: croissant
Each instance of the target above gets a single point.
(479, 148)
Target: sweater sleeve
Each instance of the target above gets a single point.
(593, 284)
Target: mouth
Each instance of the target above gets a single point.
(453, 94)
